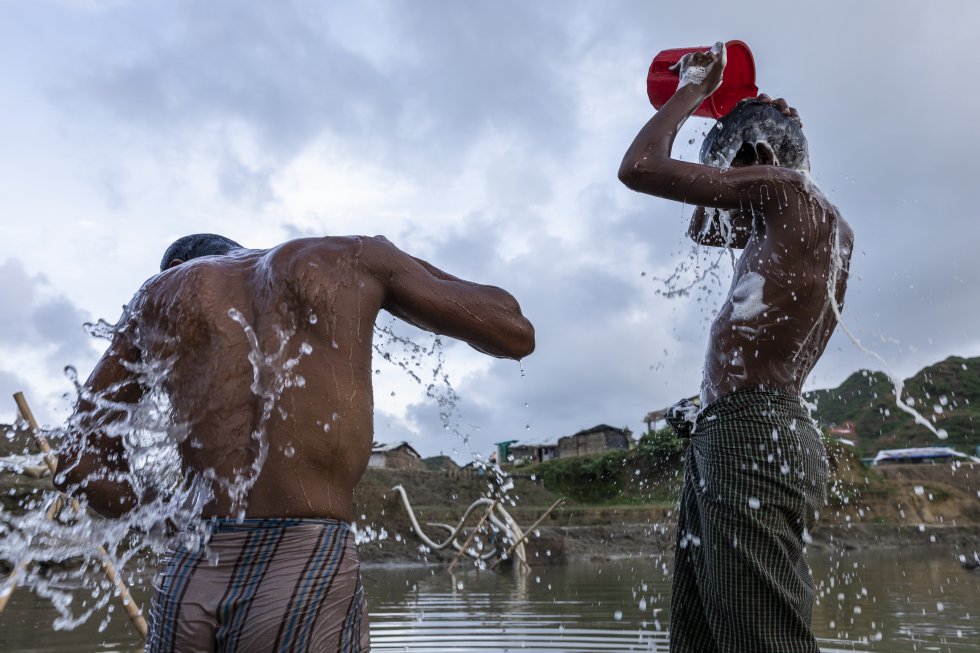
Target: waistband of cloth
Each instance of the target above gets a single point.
(760, 404)
(787, 403)
(235, 525)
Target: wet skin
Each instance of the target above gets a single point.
(326, 424)
(778, 316)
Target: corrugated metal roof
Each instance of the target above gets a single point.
(920, 453)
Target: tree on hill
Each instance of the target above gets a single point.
(946, 393)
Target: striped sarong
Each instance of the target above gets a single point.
(755, 476)
(262, 585)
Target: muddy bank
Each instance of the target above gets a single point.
(898, 506)
(904, 505)
(565, 544)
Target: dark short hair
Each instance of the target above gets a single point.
(751, 122)
(197, 245)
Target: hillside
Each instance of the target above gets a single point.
(947, 393)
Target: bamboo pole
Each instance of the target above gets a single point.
(483, 519)
(10, 584)
(135, 614)
(527, 532)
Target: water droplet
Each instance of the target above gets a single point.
(312, 318)
(288, 451)
(754, 503)
(306, 348)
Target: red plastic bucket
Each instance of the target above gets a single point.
(737, 83)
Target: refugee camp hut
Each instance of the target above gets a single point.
(657, 419)
(920, 455)
(523, 453)
(845, 431)
(597, 439)
(398, 455)
(442, 464)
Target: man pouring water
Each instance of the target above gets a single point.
(264, 357)
(756, 469)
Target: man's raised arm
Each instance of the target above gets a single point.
(648, 168)
(92, 463)
(486, 317)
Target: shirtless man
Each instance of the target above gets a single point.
(755, 470)
(286, 575)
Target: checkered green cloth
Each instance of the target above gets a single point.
(755, 476)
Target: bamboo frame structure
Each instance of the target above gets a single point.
(132, 610)
(527, 532)
(466, 544)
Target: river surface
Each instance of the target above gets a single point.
(892, 600)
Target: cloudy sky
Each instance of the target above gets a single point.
(484, 137)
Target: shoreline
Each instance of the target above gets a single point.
(562, 545)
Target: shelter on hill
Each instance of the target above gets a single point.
(845, 431)
(398, 455)
(920, 455)
(597, 439)
(521, 453)
(441, 464)
(657, 419)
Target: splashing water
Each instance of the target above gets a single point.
(71, 575)
(272, 373)
(170, 502)
(410, 360)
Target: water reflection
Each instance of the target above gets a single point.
(894, 601)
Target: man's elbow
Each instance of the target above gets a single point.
(629, 173)
(524, 342)
(516, 342)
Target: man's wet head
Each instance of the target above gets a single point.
(758, 131)
(194, 246)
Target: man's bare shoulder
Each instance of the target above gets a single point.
(329, 249)
(793, 201)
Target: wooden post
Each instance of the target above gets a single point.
(11, 583)
(459, 554)
(527, 532)
(135, 614)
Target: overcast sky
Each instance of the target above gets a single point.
(484, 137)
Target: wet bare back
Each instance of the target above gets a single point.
(311, 301)
(789, 281)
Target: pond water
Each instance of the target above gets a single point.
(893, 600)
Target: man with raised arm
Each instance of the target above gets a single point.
(756, 469)
(265, 359)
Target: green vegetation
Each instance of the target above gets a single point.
(946, 393)
(647, 473)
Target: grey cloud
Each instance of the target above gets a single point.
(60, 322)
(279, 70)
(9, 384)
(891, 115)
(33, 318)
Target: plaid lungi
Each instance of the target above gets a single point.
(262, 585)
(755, 476)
